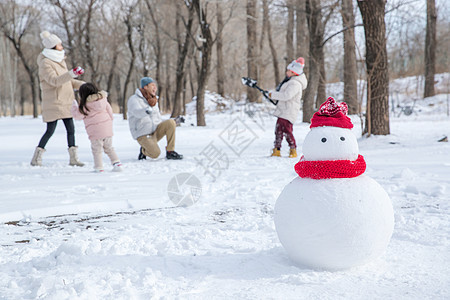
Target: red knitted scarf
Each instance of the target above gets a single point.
(325, 169)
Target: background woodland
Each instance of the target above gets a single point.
(193, 46)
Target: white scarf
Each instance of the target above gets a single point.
(55, 55)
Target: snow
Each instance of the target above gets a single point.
(70, 233)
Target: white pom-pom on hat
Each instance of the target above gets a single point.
(44, 34)
(301, 61)
(49, 40)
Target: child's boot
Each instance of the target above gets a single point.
(117, 167)
(276, 152)
(292, 152)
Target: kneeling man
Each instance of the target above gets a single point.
(145, 122)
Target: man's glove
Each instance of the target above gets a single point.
(75, 72)
(179, 120)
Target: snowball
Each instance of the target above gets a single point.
(330, 143)
(334, 223)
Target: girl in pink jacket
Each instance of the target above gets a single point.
(97, 115)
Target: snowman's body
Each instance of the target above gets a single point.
(333, 223)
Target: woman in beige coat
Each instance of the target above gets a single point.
(57, 85)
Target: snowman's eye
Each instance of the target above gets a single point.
(324, 140)
(342, 138)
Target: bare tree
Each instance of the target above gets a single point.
(166, 63)
(142, 47)
(80, 20)
(219, 49)
(430, 49)
(206, 49)
(322, 87)
(206, 42)
(377, 115)
(113, 56)
(316, 56)
(317, 76)
(16, 22)
(184, 44)
(350, 68)
(157, 48)
(290, 31)
(88, 42)
(302, 36)
(130, 27)
(267, 27)
(252, 49)
(8, 78)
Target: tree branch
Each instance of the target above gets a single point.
(340, 31)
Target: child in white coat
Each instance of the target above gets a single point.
(289, 95)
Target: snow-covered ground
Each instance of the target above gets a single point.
(70, 233)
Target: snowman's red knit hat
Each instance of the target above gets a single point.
(333, 114)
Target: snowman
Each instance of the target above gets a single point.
(333, 216)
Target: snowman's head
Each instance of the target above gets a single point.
(330, 143)
(330, 137)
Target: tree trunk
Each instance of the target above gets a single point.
(252, 50)
(316, 56)
(302, 48)
(111, 72)
(322, 88)
(206, 50)
(8, 77)
(430, 49)
(143, 50)
(273, 51)
(290, 32)
(12, 86)
(168, 103)
(191, 83)
(157, 47)
(4, 61)
(377, 116)
(15, 30)
(184, 94)
(204, 75)
(30, 71)
(183, 48)
(118, 89)
(22, 99)
(262, 38)
(219, 49)
(350, 68)
(88, 44)
(129, 25)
